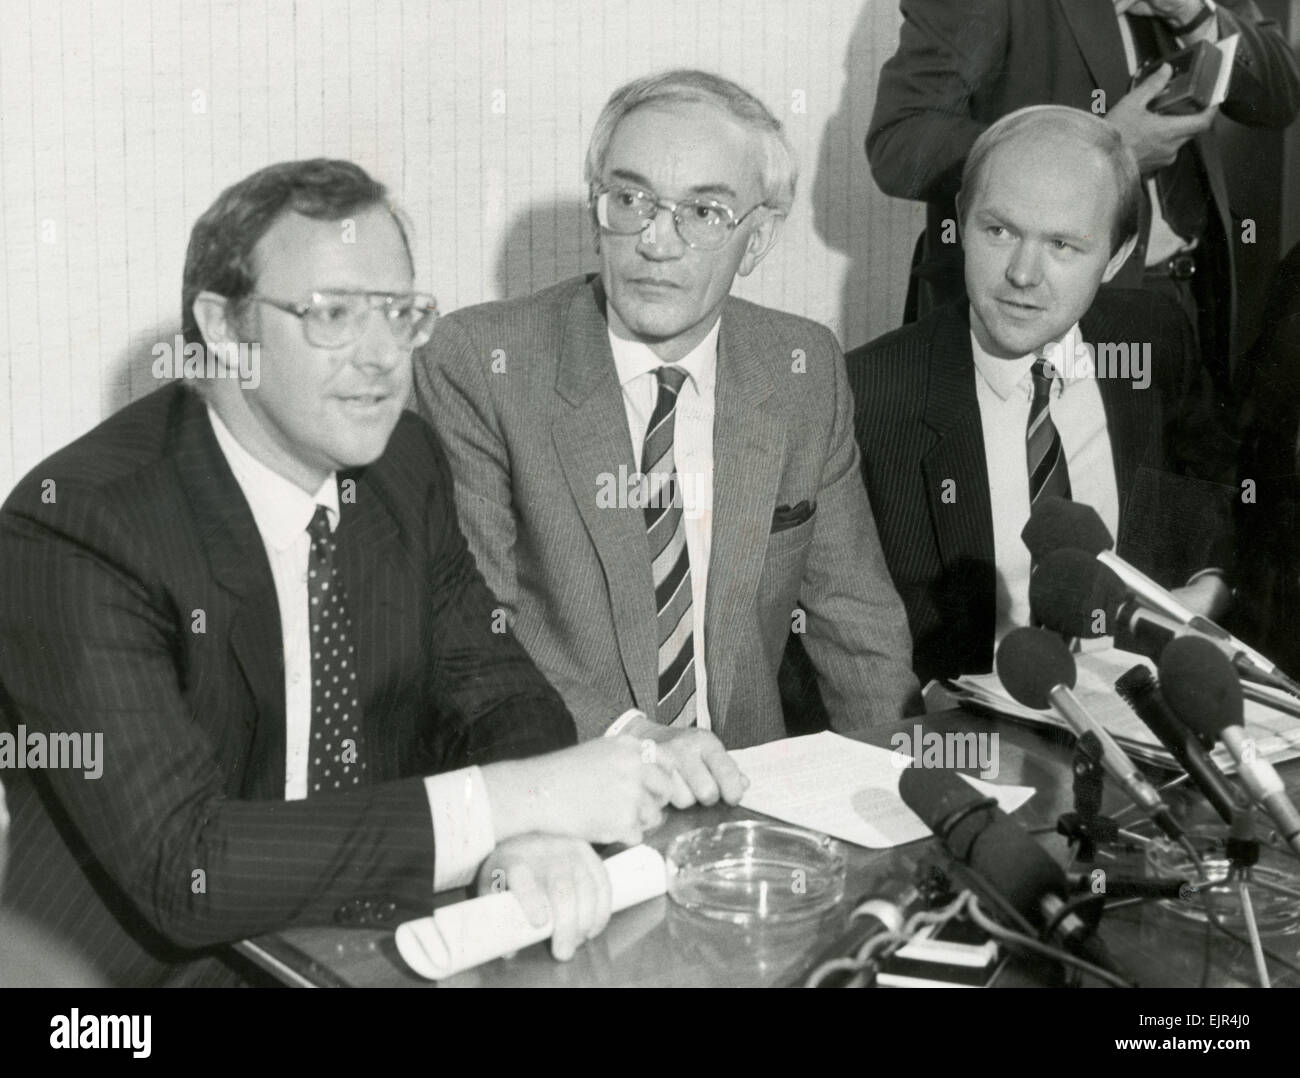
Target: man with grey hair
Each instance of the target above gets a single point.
(658, 480)
(1039, 386)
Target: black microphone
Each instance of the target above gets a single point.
(1203, 690)
(1072, 593)
(887, 909)
(1139, 689)
(979, 834)
(1058, 523)
(1038, 670)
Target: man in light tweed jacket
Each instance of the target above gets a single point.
(654, 556)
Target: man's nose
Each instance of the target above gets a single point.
(1025, 269)
(379, 346)
(659, 239)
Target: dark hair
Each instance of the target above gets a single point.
(1045, 121)
(220, 254)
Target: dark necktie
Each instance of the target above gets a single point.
(1184, 200)
(1048, 474)
(669, 559)
(336, 760)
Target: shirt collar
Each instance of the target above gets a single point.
(632, 358)
(281, 509)
(1005, 375)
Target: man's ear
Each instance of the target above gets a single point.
(216, 322)
(760, 241)
(1119, 258)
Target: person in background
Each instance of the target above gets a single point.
(962, 64)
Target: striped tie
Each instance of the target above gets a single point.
(670, 562)
(1048, 475)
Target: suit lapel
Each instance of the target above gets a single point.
(955, 467)
(1096, 32)
(237, 561)
(749, 429)
(1134, 440)
(592, 442)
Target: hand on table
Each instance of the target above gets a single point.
(556, 879)
(602, 791)
(701, 769)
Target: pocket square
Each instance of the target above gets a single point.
(787, 517)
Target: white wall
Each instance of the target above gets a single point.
(120, 120)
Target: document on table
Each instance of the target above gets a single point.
(843, 788)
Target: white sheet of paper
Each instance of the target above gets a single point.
(843, 788)
(469, 933)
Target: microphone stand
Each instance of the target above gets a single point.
(1086, 826)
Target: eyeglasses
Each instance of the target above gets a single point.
(337, 319)
(703, 223)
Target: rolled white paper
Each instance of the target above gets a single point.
(467, 934)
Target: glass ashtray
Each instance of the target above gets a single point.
(751, 871)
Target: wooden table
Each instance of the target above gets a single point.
(659, 944)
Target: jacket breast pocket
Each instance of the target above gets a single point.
(788, 541)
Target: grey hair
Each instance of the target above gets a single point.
(780, 170)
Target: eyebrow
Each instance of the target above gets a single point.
(986, 214)
(699, 189)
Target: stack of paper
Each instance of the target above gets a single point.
(1277, 735)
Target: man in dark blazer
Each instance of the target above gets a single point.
(267, 750)
(545, 404)
(961, 64)
(945, 407)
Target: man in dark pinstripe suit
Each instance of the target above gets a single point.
(1038, 384)
(276, 753)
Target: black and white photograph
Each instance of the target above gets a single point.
(650, 494)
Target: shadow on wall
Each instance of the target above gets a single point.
(841, 155)
(131, 375)
(546, 243)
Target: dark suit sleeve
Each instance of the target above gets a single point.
(90, 644)
(1265, 86)
(498, 703)
(922, 127)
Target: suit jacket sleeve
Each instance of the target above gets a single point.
(453, 393)
(1265, 86)
(923, 125)
(494, 704)
(89, 643)
(857, 634)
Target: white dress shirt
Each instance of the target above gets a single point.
(462, 818)
(1005, 391)
(693, 456)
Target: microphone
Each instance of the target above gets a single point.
(1038, 671)
(1140, 691)
(980, 835)
(886, 910)
(1058, 523)
(1202, 688)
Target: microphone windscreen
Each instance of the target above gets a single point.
(1070, 588)
(1058, 523)
(1031, 663)
(1201, 686)
(939, 797)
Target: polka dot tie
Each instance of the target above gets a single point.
(335, 761)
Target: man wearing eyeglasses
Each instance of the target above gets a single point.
(256, 597)
(659, 481)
